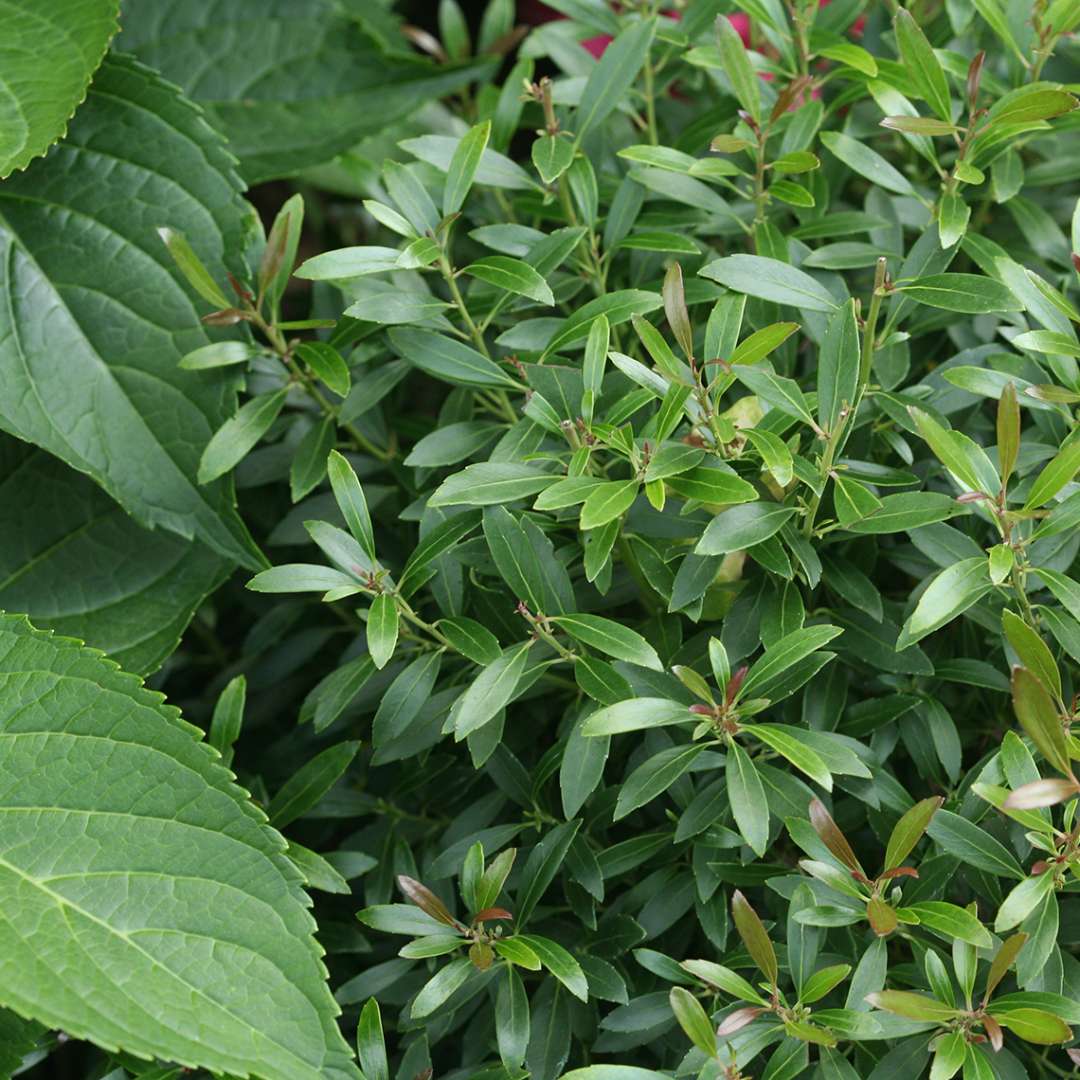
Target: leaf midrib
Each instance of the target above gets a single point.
(64, 905)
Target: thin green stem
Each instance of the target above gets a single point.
(650, 102)
(836, 438)
(277, 341)
(1020, 588)
(459, 302)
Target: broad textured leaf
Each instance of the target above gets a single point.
(72, 560)
(122, 334)
(342, 82)
(49, 51)
(155, 864)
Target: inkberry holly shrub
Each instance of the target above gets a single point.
(539, 541)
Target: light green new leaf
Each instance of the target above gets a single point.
(149, 845)
(692, 1017)
(951, 593)
(232, 441)
(762, 342)
(1058, 472)
(370, 1043)
(909, 830)
(382, 629)
(963, 457)
(463, 166)
(608, 501)
(1022, 900)
(552, 155)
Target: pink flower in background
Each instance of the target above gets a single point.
(597, 45)
(535, 13)
(741, 22)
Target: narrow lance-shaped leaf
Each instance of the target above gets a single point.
(675, 308)
(737, 66)
(1038, 716)
(1061, 469)
(922, 64)
(746, 795)
(754, 936)
(382, 629)
(370, 1046)
(463, 165)
(909, 830)
(693, 1020)
(832, 836)
(613, 76)
(1008, 431)
(351, 501)
(235, 438)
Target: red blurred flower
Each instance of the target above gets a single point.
(597, 45)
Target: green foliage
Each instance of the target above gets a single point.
(616, 524)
